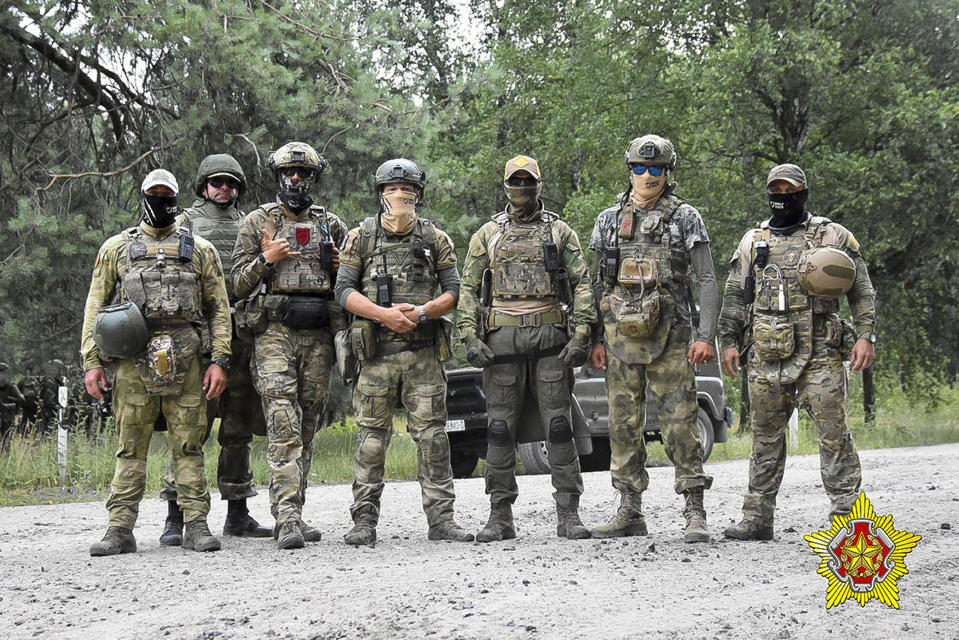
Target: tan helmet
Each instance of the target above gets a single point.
(296, 154)
(826, 271)
(652, 150)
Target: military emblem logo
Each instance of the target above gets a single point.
(863, 556)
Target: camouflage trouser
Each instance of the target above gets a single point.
(136, 411)
(507, 386)
(822, 391)
(672, 389)
(416, 380)
(240, 414)
(291, 370)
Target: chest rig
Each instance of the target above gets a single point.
(524, 258)
(220, 228)
(782, 313)
(398, 269)
(311, 272)
(159, 276)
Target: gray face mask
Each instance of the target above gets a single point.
(523, 201)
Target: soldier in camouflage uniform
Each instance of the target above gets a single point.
(391, 268)
(176, 281)
(535, 264)
(215, 215)
(284, 265)
(797, 346)
(646, 249)
(11, 400)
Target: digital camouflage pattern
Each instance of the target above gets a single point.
(415, 381)
(138, 399)
(815, 372)
(291, 367)
(672, 383)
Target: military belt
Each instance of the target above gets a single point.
(552, 316)
(392, 348)
(509, 358)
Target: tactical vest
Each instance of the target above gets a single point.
(302, 274)
(637, 306)
(219, 225)
(410, 260)
(782, 314)
(160, 277)
(516, 253)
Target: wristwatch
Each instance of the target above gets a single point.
(262, 260)
(422, 317)
(223, 363)
(870, 336)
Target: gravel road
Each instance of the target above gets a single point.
(536, 586)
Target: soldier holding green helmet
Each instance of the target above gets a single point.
(782, 304)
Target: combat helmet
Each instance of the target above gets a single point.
(296, 154)
(399, 170)
(120, 331)
(652, 150)
(826, 271)
(218, 164)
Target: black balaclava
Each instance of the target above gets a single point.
(159, 211)
(788, 210)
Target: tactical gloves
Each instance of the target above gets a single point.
(575, 352)
(479, 354)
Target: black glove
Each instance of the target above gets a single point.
(479, 354)
(575, 352)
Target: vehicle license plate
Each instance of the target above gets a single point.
(456, 425)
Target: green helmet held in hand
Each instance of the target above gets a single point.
(651, 150)
(120, 331)
(218, 164)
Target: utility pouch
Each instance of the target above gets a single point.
(774, 337)
(444, 339)
(305, 313)
(162, 358)
(636, 317)
(833, 332)
(275, 307)
(550, 257)
(326, 255)
(363, 339)
(250, 317)
(847, 339)
(384, 289)
(486, 288)
(638, 272)
(611, 264)
(564, 287)
(346, 362)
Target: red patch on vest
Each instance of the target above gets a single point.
(303, 235)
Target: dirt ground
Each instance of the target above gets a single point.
(536, 586)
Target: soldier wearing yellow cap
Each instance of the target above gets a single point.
(527, 328)
(785, 282)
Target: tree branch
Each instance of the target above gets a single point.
(54, 177)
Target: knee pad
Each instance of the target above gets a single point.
(560, 430)
(498, 434)
(372, 449)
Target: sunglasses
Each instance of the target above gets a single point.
(640, 169)
(303, 172)
(529, 181)
(218, 182)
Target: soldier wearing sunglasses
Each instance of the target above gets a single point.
(216, 216)
(647, 249)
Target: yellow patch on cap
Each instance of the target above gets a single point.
(521, 161)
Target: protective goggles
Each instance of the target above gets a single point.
(303, 172)
(219, 181)
(640, 169)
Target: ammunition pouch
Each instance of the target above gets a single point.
(637, 317)
(363, 340)
(774, 337)
(306, 312)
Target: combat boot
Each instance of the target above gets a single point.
(500, 524)
(695, 515)
(363, 531)
(310, 533)
(116, 540)
(199, 538)
(449, 530)
(289, 535)
(628, 520)
(241, 524)
(172, 535)
(749, 530)
(568, 524)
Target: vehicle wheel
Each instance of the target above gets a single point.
(534, 457)
(598, 460)
(463, 463)
(706, 433)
